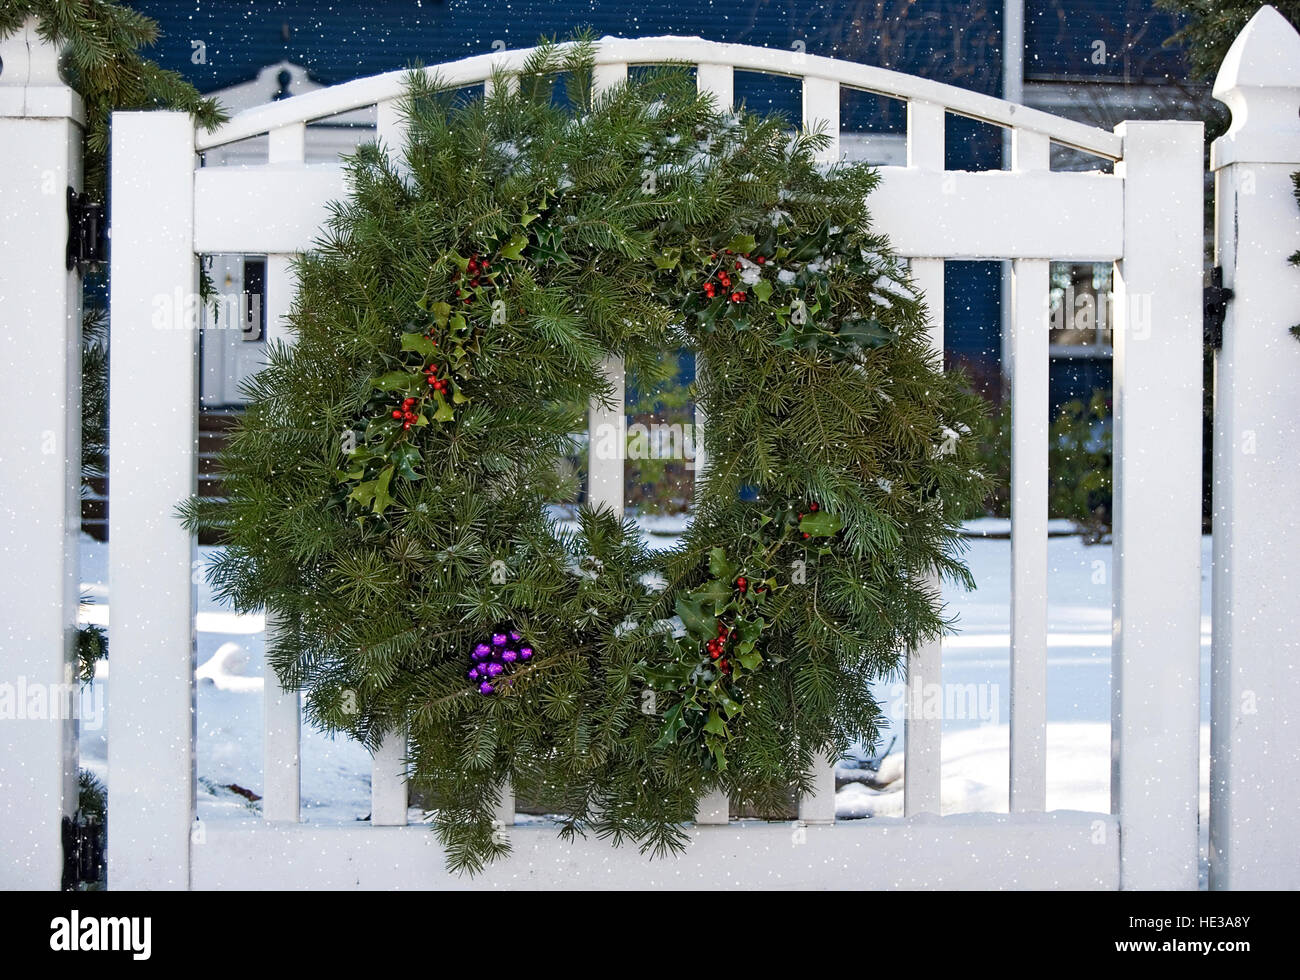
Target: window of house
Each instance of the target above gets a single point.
(1081, 310)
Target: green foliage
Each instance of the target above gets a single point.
(1213, 25)
(102, 62)
(660, 483)
(94, 394)
(1079, 462)
(92, 796)
(387, 549)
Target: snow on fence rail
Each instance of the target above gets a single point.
(1144, 217)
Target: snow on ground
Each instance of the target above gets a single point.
(975, 690)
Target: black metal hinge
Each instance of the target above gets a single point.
(1214, 304)
(87, 241)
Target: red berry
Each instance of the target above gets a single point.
(760, 260)
(737, 265)
(742, 583)
(806, 534)
(406, 425)
(726, 666)
(397, 413)
(432, 380)
(813, 507)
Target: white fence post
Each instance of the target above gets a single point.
(41, 120)
(1255, 708)
(1155, 698)
(153, 399)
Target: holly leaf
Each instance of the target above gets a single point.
(715, 725)
(741, 244)
(374, 493)
(419, 343)
(694, 618)
(514, 248)
(762, 290)
(444, 412)
(747, 634)
(440, 312)
(673, 724)
(820, 525)
(714, 591)
(719, 565)
(865, 333)
(405, 458)
(395, 381)
(668, 258)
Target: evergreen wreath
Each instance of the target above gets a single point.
(388, 486)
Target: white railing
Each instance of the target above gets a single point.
(1144, 217)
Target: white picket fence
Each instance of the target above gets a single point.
(1145, 217)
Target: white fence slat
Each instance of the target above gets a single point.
(1255, 706)
(926, 136)
(152, 405)
(818, 807)
(287, 144)
(40, 462)
(607, 425)
(390, 127)
(608, 76)
(511, 84)
(281, 710)
(281, 747)
(388, 790)
(1030, 151)
(984, 215)
(1029, 423)
(821, 109)
(1155, 721)
(505, 811)
(606, 446)
(922, 734)
(720, 81)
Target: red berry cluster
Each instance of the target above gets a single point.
(475, 270)
(433, 381)
(718, 645)
(812, 509)
(724, 281)
(407, 414)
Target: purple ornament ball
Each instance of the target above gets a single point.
(510, 656)
(526, 652)
(485, 688)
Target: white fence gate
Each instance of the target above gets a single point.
(1145, 217)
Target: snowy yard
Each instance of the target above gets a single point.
(336, 773)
